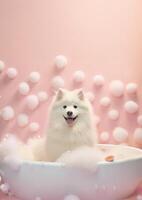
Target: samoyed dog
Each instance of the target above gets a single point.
(70, 137)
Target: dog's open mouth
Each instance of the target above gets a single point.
(70, 120)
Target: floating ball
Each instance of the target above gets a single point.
(79, 76)
(120, 134)
(32, 102)
(34, 127)
(2, 66)
(131, 107)
(12, 73)
(90, 96)
(139, 120)
(57, 82)
(98, 80)
(34, 77)
(22, 120)
(138, 135)
(105, 101)
(71, 197)
(104, 136)
(116, 88)
(4, 188)
(42, 96)
(24, 88)
(113, 114)
(7, 113)
(60, 61)
(131, 88)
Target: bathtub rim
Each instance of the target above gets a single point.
(102, 163)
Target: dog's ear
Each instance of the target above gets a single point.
(80, 94)
(59, 94)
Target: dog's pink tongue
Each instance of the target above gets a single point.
(70, 122)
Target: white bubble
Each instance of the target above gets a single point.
(98, 80)
(42, 96)
(131, 107)
(4, 188)
(34, 127)
(57, 82)
(104, 136)
(131, 88)
(34, 77)
(22, 120)
(12, 73)
(120, 134)
(105, 101)
(7, 113)
(24, 88)
(113, 114)
(79, 76)
(60, 61)
(32, 102)
(117, 88)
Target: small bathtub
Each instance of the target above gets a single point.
(55, 181)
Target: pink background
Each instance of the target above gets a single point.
(97, 36)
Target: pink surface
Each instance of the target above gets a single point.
(100, 38)
(97, 36)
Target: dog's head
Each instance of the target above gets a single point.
(70, 107)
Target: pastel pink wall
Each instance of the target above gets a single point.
(96, 36)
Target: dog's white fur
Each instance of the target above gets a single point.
(60, 136)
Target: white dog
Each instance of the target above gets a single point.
(70, 126)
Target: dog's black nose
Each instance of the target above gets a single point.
(69, 113)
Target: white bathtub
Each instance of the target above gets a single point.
(54, 181)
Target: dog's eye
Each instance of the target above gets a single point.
(64, 106)
(75, 106)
